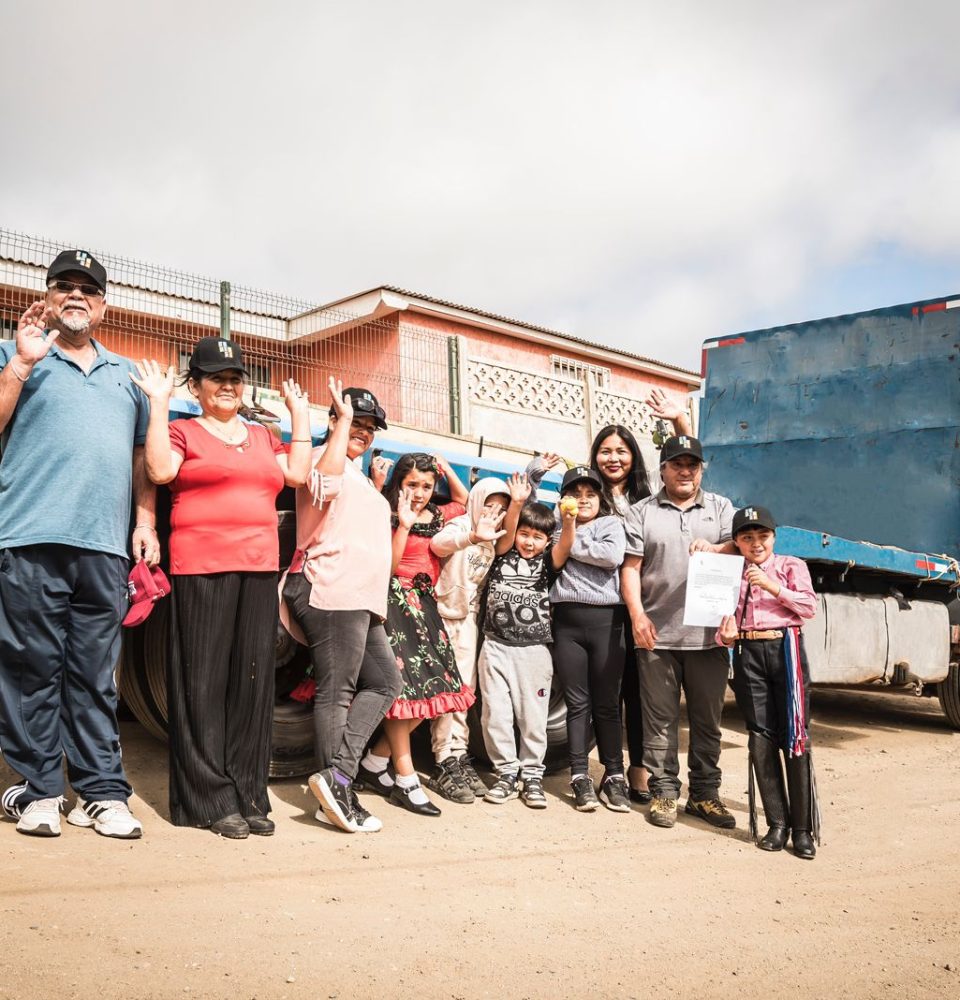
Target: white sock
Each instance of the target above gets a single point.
(379, 767)
(412, 782)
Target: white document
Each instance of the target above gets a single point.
(713, 588)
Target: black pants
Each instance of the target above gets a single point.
(60, 613)
(760, 686)
(223, 634)
(632, 706)
(356, 674)
(588, 650)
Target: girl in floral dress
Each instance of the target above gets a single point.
(425, 658)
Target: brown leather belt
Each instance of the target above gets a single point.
(769, 634)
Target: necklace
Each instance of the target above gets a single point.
(238, 438)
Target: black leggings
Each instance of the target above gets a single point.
(632, 708)
(588, 651)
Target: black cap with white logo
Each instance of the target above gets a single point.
(752, 517)
(581, 473)
(675, 447)
(214, 354)
(78, 262)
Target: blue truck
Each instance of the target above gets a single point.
(848, 429)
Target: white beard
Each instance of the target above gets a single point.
(76, 322)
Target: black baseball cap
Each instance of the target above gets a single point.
(675, 447)
(752, 517)
(214, 354)
(365, 405)
(581, 473)
(79, 262)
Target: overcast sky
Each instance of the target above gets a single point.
(641, 174)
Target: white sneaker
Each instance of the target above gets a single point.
(110, 818)
(40, 818)
(369, 825)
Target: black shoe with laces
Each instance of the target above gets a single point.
(334, 798)
(503, 790)
(614, 793)
(448, 781)
(584, 794)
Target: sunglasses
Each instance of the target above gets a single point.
(364, 405)
(87, 291)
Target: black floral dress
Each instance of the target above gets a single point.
(431, 681)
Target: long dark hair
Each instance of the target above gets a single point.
(418, 460)
(637, 484)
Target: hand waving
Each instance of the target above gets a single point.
(662, 406)
(32, 346)
(154, 383)
(294, 398)
(487, 525)
(342, 405)
(406, 515)
(519, 487)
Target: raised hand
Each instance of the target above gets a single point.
(662, 406)
(342, 405)
(487, 525)
(32, 346)
(519, 487)
(406, 515)
(379, 470)
(295, 399)
(443, 466)
(727, 633)
(155, 383)
(551, 460)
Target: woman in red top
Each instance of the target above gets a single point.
(224, 478)
(431, 681)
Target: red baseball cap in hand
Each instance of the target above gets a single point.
(145, 586)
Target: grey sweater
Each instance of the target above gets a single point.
(592, 573)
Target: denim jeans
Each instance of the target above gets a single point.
(356, 674)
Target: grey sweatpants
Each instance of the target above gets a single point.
(515, 685)
(702, 674)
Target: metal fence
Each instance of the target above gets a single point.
(156, 312)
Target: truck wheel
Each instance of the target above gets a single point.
(948, 691)
(556, 757)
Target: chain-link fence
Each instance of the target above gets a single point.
(156, 312)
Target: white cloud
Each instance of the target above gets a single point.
(632, 172)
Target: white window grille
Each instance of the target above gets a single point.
(582, 370)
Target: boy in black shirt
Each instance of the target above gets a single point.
(515, 667)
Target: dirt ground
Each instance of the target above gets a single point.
(501, 901)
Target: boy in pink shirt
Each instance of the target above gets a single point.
(771, 681)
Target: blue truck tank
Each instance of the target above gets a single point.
(848, 425)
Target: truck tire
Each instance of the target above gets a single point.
(557, 756)
(948, 691)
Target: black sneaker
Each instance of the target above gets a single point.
(334, 798)
(473, 780)
(366, 822)
(447, 781)
(584, 793)
(503, 790)
(614, 793)
(370, 781)
(713, 811)
(532, 794)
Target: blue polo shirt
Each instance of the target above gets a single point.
(66, 470)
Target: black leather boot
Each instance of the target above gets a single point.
(801, 806)
(766, 763)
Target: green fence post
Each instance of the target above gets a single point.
(453, 380)
(225, 310)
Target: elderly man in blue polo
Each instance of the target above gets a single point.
(73, 428)
(662, 531)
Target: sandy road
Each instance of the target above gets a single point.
(499, 901)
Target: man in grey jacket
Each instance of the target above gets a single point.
(662, 531)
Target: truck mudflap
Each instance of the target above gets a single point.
(865, 638)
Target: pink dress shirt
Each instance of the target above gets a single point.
(795, 603)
